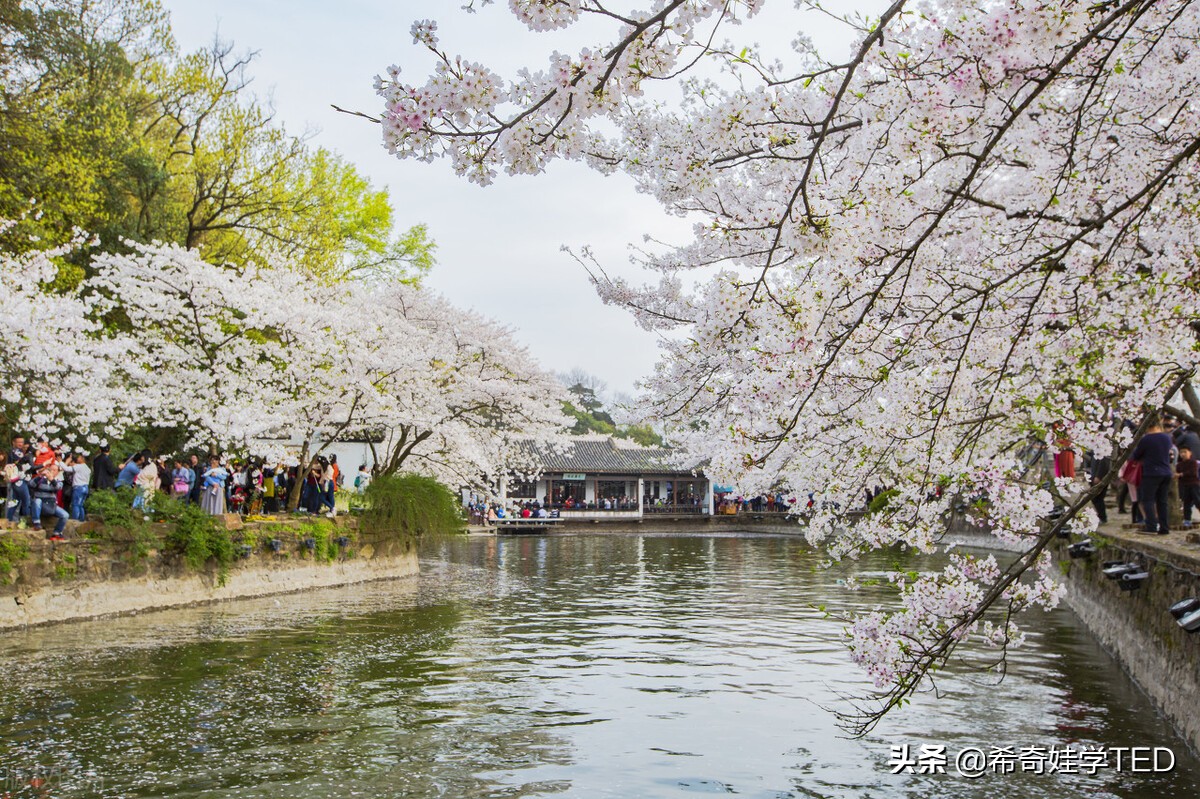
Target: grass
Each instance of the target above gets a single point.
(67, 569)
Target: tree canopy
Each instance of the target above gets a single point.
(105, 126)
(588, 407)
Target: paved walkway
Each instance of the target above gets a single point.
(1180, 546)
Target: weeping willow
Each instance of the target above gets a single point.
(410, 505)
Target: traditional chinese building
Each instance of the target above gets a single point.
(606, 478)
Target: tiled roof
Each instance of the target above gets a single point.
(591, 455)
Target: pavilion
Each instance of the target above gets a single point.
(601, 477)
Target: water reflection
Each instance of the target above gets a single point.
(590, 666)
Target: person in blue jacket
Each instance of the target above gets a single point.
(1156, 451)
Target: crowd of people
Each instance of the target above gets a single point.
(41, 481)
(1165, 455)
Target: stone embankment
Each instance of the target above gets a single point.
(1136, 625)
(96, 573)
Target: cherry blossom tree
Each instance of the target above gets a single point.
(55, 364)
(210, 348)
(245, 357)
(453, 394)
(975, 230)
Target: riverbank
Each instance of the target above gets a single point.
(1134, 626)
(97, 573)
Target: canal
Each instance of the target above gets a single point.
(578, 666)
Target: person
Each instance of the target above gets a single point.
(164, 473)
(193, 466)
(1154, 452)
(130, 471)
(1131, 478)
(1185, 436)
(5, 471)
(311, 497)
(17, 474)
(1098, 469)
(147, 483)
(104, 471)
(362, 479)
(1188, 470)
(237, 478)
(43, 454)
(181, 481)
(46, 486)
(254, 487)
(1064, 459)
(212, 492)
(79, 493)
(268, 487)
(286, 483)
(67, 475)
(337, 471)
(329, 485)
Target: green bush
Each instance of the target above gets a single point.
(321, 532)
(198, 538)
(165, 506)
(880, 503)
(115, 508)
(410, 505)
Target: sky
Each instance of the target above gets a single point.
(499, 247)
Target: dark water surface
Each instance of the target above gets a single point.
(581, 666)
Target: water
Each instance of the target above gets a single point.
(590, 666)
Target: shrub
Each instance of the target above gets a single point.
(198, 538)
(115, 508)
(165, 506)
(410, 505)
(881, 502)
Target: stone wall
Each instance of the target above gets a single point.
(82, 579)
(1135, 626)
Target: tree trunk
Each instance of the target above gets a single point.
(293, 500)
(1191, 397)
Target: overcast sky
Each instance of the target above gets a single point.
(499, 246)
